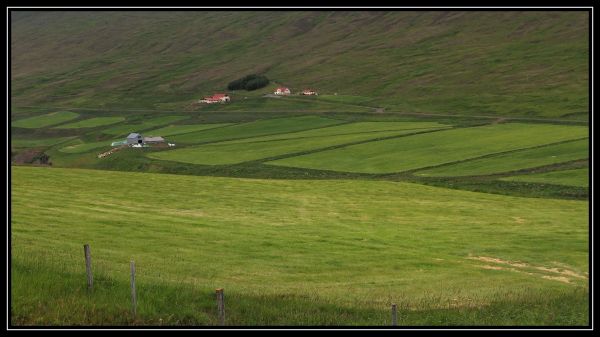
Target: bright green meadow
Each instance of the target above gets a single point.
(290, 252)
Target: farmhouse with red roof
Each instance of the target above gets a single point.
(282, 91)
(216, 98)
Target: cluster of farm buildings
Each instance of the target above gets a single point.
(281, 91)
(286, 91)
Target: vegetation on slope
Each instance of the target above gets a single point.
(523, 63)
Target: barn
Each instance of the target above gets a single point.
(135, 138)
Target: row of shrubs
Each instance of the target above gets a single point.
(250, 82)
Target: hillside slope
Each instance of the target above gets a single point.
(505, 63)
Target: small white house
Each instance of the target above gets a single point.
(309, 92)
(282, 91)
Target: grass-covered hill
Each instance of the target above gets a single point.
(531, 64)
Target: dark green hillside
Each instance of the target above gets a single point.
(477, 63)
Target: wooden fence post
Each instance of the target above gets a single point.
(133, 295)
(394, 315)
(221, 306)
(88, 266)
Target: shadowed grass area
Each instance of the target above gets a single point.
(577, 177)
(92, 122)
(162, 303)
(52, 118)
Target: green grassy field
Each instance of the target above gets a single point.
(257, 128)
(290, 252)
(443, 167)
(521, 159)
(184, 128)
(436, 148)
(92, 122)
(577, 177)
(124, 129)
(52, 118)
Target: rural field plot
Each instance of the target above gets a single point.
(521, 159)
(233, 153)
(576, 177)
(407, 153)
(346, 129)
(184, 128)
(238, 151)
(92, 122)
(291, 252)
(124, 129)
(257, 128)
(52, 118)
(19, 143)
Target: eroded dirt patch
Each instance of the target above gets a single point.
(564, 274)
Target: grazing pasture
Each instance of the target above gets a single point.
(577, 177)
(50, 119)
(515, 160)
(290, 252)
(431, 149)
(92, 122)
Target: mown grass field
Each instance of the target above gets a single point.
(332, 252)
(430, 149)
(577, 177)
(52, 118)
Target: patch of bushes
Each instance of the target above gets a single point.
(250, 82)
